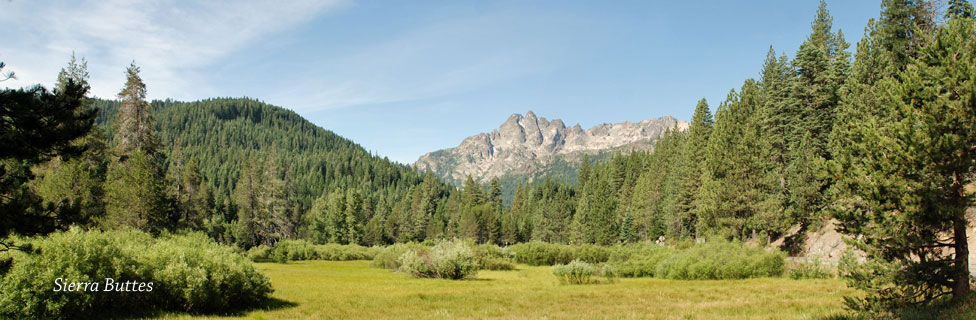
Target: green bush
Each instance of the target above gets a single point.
(814, 269)
(388, 257)
(187, 273)
(639, 260)
(293, 250)
(345, 252)
(259, 253)
(546, 254)
(721, 260)
(609, 272)
(575, 272)
(447, 260)
(492, 257)
(297, 250)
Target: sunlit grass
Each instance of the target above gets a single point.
(354, 290)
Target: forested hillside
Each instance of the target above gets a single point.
(222, 135)
(213, 145)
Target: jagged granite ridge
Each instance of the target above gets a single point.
(523, 145)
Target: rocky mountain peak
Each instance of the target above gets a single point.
(525, 143)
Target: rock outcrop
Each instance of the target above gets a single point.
(525, 144)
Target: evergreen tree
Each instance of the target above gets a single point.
(492, 220)
(596, 213)
(74, 185)
(732, 188)
(907, 175)
(469, 224)
(135, 196)
(354, 218)
(247, 197)
(50, 123)
(317, 220)
(134, 139)
(335, 218)
(584, 171)
(778, 119)
(510, 221)
(76, 72)
(134, 121)
(959, 9)
(691, 162)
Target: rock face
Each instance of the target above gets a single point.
(523, 145)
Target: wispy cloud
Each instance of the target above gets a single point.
(450, 56)
(172, 41)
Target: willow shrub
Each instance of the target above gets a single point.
(546, 254)
(721, 260)
(446, 260)
(297, 250)
(188, 273)
(492, 257)
(345, 252)
(640, 260)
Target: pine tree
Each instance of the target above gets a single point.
(135, 196)
(691, 162)
(247, 197)
(134, 121)
(732, 187)
(959, 9)
(492, 220)
(75, 184)
(75, 71)
(134, 139)
(187, 183)
(510, 221)
(316, 218)
(584, 172)
(907, 175)
(596, 212)
(50, 123)
(470, 222)
(354, 218)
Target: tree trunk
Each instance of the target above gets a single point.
(961, 289)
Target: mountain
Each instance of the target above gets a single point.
(222, 135)
(530, 147)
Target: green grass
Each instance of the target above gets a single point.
(354, 290)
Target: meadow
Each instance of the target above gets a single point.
(355, 290)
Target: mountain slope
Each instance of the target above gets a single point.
(529, 147)
(222, 134)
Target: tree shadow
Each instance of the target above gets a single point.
(793, 244)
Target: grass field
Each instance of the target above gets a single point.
(354, 290)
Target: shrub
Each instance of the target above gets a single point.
(575, 272)
(297, 250)
(294, 250)
(492, 257)
(813, 269)
(447, 260)
(389, 257)
(259, 253)
(345, 252)
(639, 260)
(541, 253)
(492, 263)
(187, 272)
(721, 260)
(609, 272)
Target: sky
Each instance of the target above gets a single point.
(403, 78)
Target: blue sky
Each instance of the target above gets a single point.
(403, 78)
